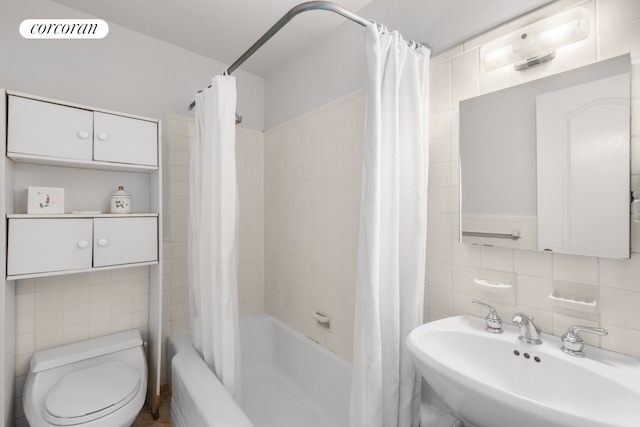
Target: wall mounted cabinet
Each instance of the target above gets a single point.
(46, 245)
(89, 152)
(41, 246)
(47, 129)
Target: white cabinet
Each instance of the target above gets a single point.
(48, 245)
(124, 140)
(40, 128)
(44, 245)
(124, 241)
(82, 143)
(51, 130)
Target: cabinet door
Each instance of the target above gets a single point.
(125, 140)
(124, 240)
(43, 245)
(51, 130)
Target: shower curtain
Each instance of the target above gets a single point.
(213, 233)
(392, 242)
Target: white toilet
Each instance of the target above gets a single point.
(101, 382)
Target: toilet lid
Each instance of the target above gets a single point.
(91, 393)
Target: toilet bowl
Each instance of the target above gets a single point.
(101, 382)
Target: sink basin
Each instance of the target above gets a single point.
(495, 380)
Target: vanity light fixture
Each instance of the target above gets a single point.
(536, 43)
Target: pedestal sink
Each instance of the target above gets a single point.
(495, 380)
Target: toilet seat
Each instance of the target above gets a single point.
(91, 393)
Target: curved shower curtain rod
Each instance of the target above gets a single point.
(302, 7)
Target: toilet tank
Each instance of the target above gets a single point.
(82, 350)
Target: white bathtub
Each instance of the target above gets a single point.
(198, 399)
(288, 380)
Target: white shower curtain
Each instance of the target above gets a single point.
(393, 215)
(213, 233)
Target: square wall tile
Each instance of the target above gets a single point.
(575, 268)
(440, 87)
(465, 76)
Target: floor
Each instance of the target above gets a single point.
(145, 419)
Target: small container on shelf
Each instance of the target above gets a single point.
(120, 201)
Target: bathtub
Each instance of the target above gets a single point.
(198, 399)
(288, 380)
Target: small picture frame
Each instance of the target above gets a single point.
(45, 200)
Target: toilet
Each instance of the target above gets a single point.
(101, 382)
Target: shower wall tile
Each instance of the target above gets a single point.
(311, 217)
(452, 266)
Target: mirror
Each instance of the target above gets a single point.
(545, 165)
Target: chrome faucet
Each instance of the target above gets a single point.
(529, 332)
(493, 320)
(572, 342)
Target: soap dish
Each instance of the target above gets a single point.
(492, 286)
(587, 305)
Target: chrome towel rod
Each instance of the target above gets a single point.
(302, 7)
(513, 235)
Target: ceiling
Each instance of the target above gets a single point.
(223, 29)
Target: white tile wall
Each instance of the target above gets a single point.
(312, 202)
(249, 158)
(456, 74)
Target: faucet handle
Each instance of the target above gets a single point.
(572, 342)
(493, 320)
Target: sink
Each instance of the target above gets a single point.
(495, 380)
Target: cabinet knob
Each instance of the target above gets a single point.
(102, 136)
(83, 244)
(83, 134)
(102, 242)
